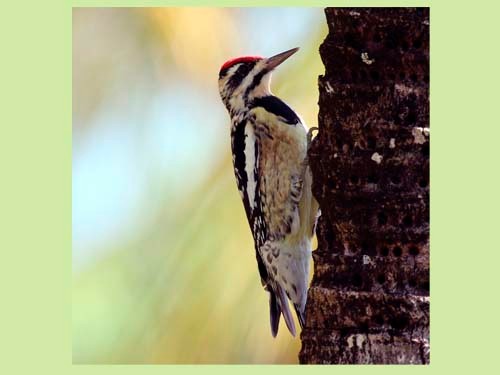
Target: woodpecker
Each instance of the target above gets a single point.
(269, 144)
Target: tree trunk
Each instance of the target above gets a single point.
(368, 301)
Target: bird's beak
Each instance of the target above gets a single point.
(274, 61)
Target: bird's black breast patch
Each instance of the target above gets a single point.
(276, 106)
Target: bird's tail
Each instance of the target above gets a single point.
(278, 304)
(275, 313)
(300, 316)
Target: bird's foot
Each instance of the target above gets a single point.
(310, 135)
(305, 163)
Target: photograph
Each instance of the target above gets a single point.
(250, 185)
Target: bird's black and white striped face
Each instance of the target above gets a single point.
(238, 77)
(245, 78)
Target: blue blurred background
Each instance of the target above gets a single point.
(164, 268)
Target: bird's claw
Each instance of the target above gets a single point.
(305, 162)
(310, 135)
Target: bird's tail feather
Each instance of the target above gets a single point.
(285, 309)
(275, 313)
(300, 316)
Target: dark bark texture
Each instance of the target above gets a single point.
(369, 298)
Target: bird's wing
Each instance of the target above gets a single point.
(245, 149)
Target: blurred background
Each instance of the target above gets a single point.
(164, 268)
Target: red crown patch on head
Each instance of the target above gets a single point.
(237, 60)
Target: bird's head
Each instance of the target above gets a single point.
(244, 78)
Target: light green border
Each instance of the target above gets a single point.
(35, 153)
(257, 3)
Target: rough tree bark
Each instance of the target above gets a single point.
(368, 302)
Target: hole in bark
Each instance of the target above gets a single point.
(402, 75)
(363, 326)
(417, 43)
(372, 179)
(412, 283)
(352, 40)
(356, 280)
(404, 45)
(384, 251)
(354, 23)
(371, 142)
(381, 278)
(332, 185)
(374, 75)
(425, 285)
(396, 179)
(413, 250)
(379, 320)
(407, 221)
(423, 182)
(398, 251)
(363, 75)
(390, 41)
(354, 179)
(414, 77)
(399, 322)
(349, 38)
(425, 149)
(382, 218)
(376, 38)
(411, 118)
(368, 248)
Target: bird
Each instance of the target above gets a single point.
(269, 143)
